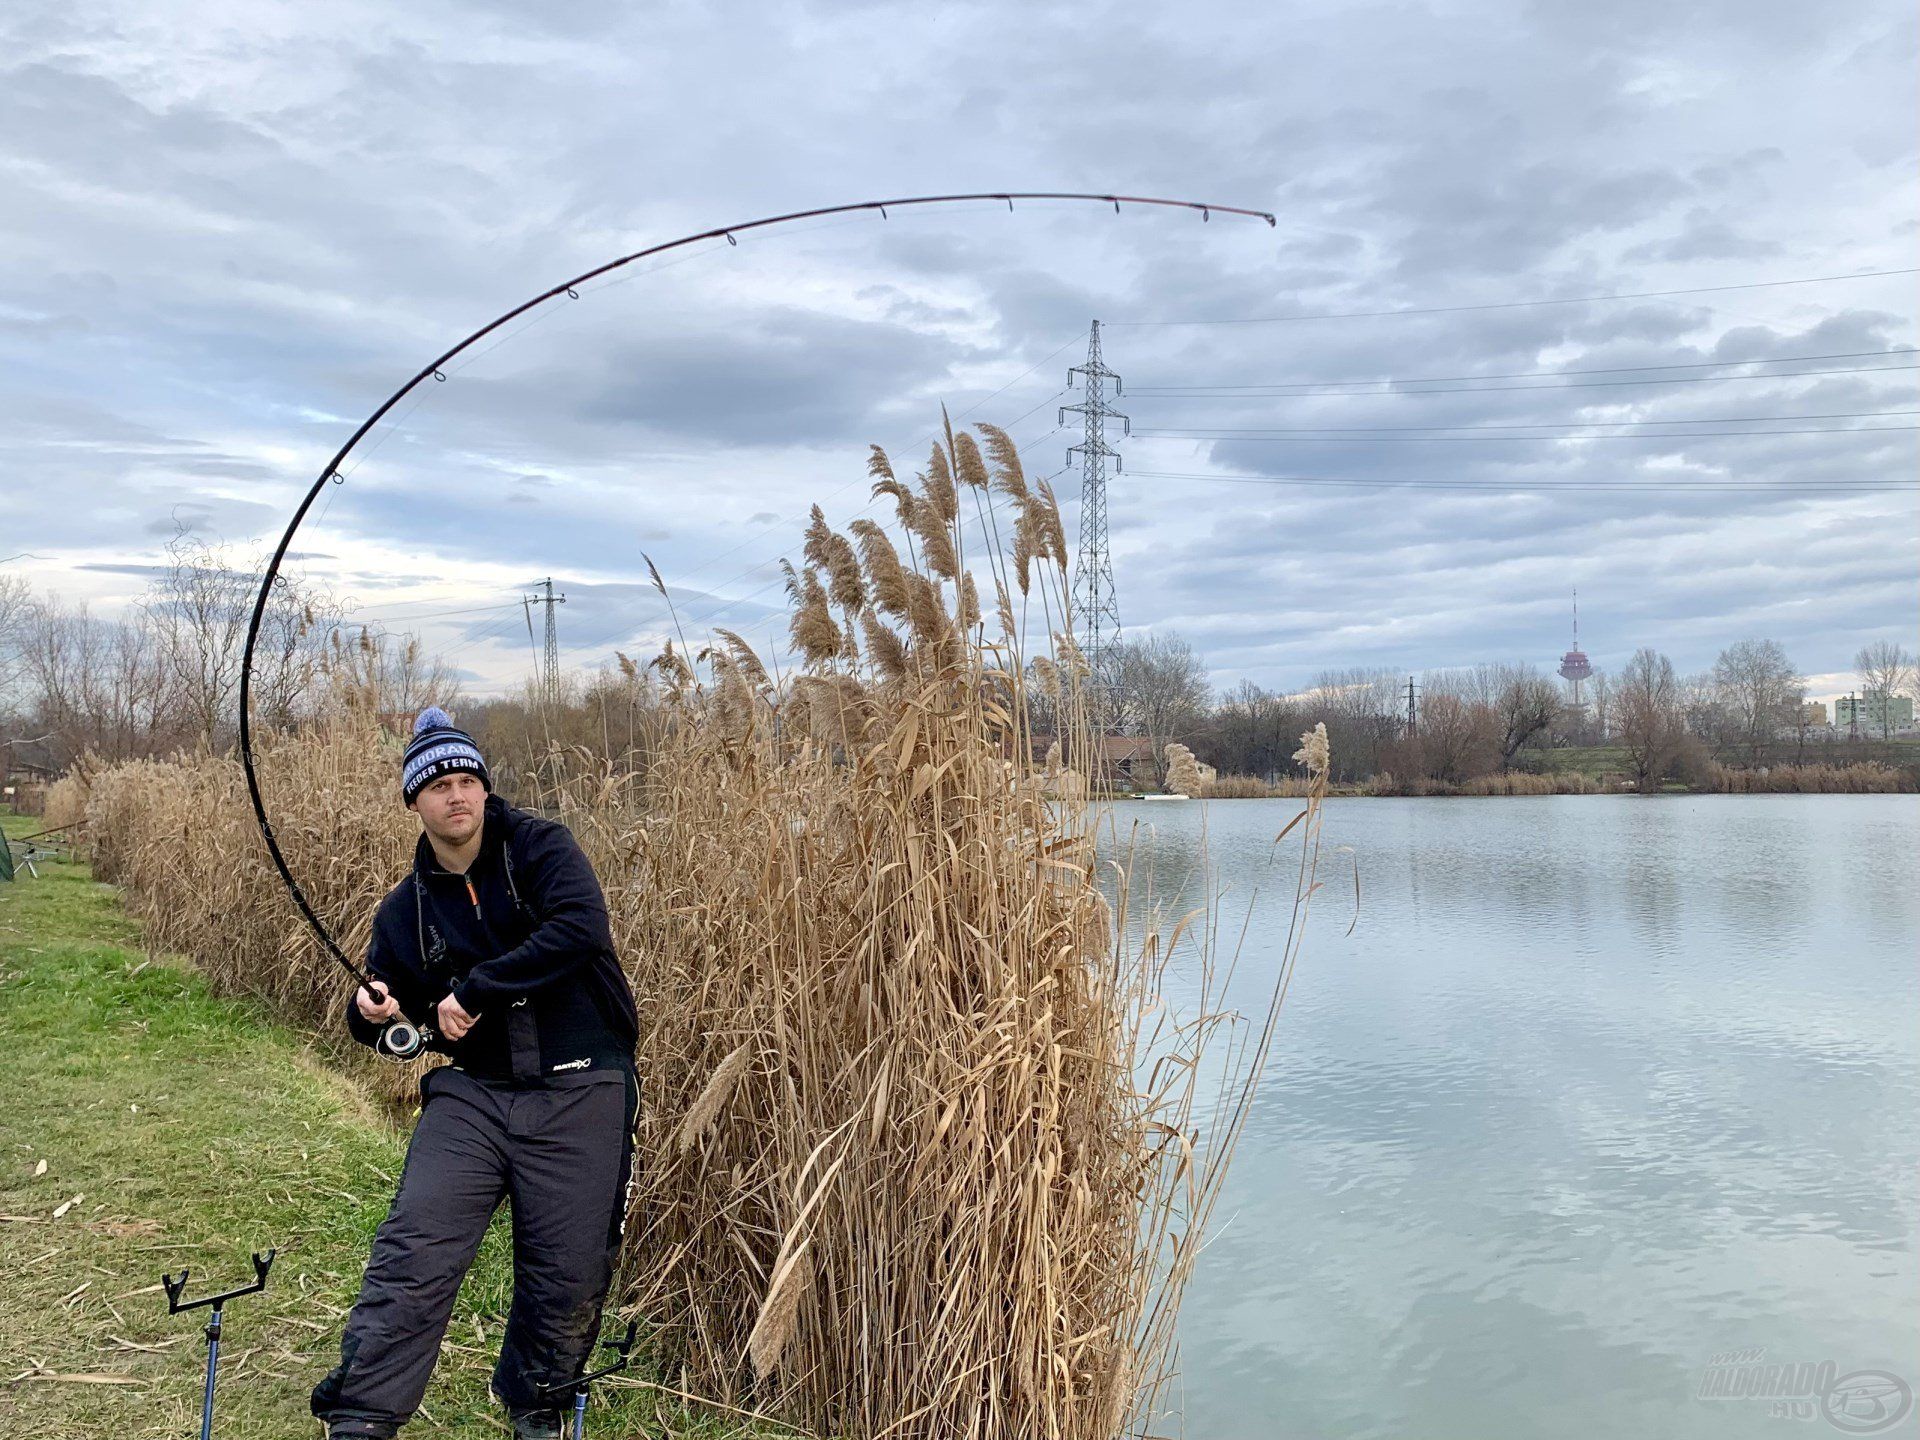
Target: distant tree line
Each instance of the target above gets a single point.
(77, 688)
(1477, 720)
(165, 675)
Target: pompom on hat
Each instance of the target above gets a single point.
(438, 748)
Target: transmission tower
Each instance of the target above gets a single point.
(547, 679)
(1096, 610)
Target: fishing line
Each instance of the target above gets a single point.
(403, 1039)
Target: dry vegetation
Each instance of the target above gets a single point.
(65, 802)
(921, 1153)
(1511, 782)
(1861, 779)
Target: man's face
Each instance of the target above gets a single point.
(450, 807)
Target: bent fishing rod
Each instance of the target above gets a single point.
(403, 1037)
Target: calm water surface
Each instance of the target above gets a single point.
(1598, 1088)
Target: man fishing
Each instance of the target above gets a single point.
(497, 941)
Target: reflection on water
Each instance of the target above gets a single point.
(1598, 1088)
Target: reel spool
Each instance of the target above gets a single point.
(402, 1040)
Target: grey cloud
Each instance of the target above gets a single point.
(1707, 237)
(236, 244)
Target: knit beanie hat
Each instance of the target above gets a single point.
(437, 749)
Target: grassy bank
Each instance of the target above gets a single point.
(148, 1126)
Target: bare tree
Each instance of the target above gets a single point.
(16, 603)
(1525, 704)
(1459, 738)
(1599, 692)
(1160, 688)
(384, 675)
(1886, 670)
(1252, 731)
(1705, 712)
(289, 654)
(1364, 711)
(1760, 691)
(96, 684)
(198, 610)
(1646, 715)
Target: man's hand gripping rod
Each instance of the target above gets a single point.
(400, 1038)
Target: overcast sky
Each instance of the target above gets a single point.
(234, 228)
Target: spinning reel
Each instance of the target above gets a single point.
(400, 1039)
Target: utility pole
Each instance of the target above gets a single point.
(1095, 608)
(1853, 717)
(1413, 714)
(547, 679)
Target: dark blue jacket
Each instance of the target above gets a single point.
(521, 940)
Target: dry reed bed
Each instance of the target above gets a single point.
(1511, 782)
(1865, 778)
(919, 1154)
(64, 802)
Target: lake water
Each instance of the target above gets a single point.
(1598, 1089)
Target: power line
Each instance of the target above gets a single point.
(387, 623)
(499, 627)
(1252, 393)
(1533, 374)
(1503, 486)
(1485, 439)
(1524, 304)
(1548, 425)
(432, 615)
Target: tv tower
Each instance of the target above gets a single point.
(1095, 610)
(1574, 665)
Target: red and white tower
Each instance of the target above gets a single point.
(1574, 665)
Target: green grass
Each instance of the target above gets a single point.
(187, 1130)
(1593, 761)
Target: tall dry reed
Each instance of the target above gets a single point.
(1505, 782)
(1864, 778)
(920, 1153)
(1524, 782)
(62, 804)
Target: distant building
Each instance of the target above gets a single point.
(1872, 712)
(1814, 712)
(1124, 759)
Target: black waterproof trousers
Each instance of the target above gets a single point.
(561, 1154)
